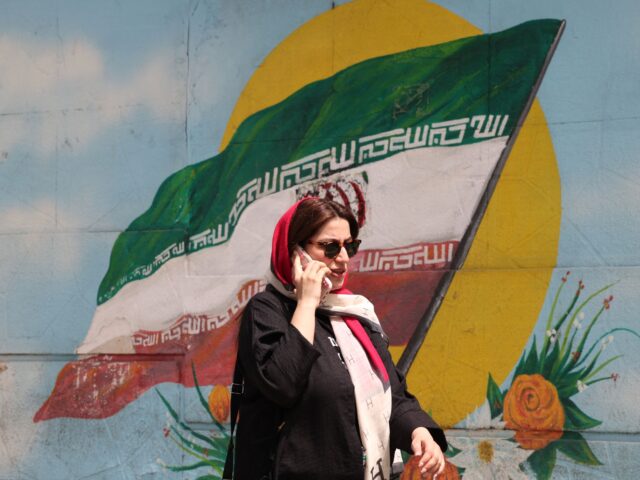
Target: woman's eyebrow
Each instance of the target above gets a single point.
(333, 239)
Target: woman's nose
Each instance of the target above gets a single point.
(343, 257)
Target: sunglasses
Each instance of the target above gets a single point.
(332, 249)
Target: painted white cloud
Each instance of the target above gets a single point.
(55, 90)
(38, 216)
(40, 227)
(604, 195)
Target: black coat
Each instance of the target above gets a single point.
(298, 411)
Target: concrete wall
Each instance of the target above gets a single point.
(101, 103)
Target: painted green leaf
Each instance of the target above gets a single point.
(184, 468)
(550, 361)
(543, 461)
(531, 363)
(562, 365)
(204, 403)
(217, 453)
(574, 446)
(576, 419)
(520, 366)
(451, 451)
(186, 427)
(568, 384)
(208, 477)
(494, 397)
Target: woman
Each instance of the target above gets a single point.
(322, 398)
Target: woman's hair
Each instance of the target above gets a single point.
(312, 214)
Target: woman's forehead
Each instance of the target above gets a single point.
(334, 229)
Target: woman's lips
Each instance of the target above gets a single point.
(338, 273)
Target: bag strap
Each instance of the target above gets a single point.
(237, 389)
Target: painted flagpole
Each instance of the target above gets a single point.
(425, 322)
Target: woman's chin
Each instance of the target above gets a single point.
(336, 282)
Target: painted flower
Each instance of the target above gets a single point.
(412, 472)
(219, 403)
(481, 419)
(553, 335)
(493, 458)
(532, 408)
(581, 386)
(606, 342)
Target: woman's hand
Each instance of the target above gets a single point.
(308, 282)
(431, 457)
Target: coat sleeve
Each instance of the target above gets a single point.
(275, 356)
(406, 413)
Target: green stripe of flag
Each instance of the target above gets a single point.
(446, 94)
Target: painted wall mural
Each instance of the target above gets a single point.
(129, 250)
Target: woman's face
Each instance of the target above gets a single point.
(336, 229)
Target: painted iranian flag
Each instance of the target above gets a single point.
(411, 142)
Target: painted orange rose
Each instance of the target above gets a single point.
(219, 402)
(412, 472)
(532, 408)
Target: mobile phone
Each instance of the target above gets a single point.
(305, 258)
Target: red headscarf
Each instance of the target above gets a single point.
(281, 267)
(280, 259)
